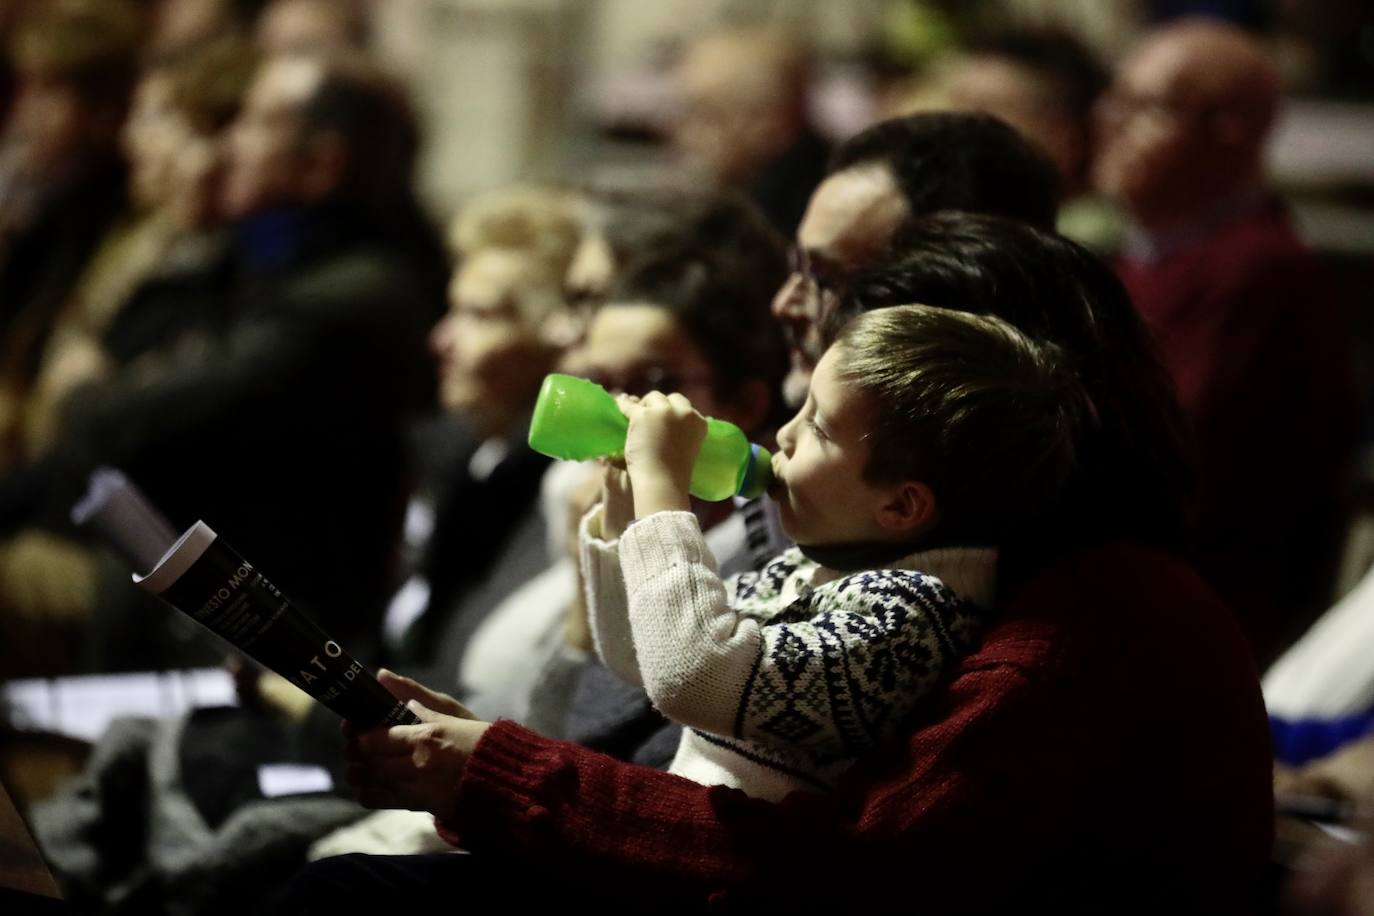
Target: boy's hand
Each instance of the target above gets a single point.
(660, 448)
(617, 501)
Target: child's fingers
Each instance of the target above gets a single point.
(653, 400)
(680, 403)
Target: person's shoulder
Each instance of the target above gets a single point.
(355, 272)
(1129, 571)
(1260, 249)
(1121, 596)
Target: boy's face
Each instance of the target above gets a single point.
(821, 492)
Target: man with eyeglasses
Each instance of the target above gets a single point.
(1243, 317)
(879, 182)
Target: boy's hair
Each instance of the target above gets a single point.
(969, 405)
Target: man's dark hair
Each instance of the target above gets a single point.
(958, 161)
(719, 288)
(1132, 479)
(1070, 78)
(980, 412)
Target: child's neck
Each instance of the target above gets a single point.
(857, 556)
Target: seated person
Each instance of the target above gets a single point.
(928, 436)
(683, 318)
(1003, 773)
(493, 349)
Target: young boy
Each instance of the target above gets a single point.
(928, 436)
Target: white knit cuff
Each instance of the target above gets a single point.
(660, 542)
(607, 605)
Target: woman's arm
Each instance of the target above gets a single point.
(912, 807)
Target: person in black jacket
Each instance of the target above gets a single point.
(285, 432)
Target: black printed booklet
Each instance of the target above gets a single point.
(205, 578)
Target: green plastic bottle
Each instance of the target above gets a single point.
(576, 419)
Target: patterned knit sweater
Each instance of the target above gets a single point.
(785, 675)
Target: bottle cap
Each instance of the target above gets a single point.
(759, 474)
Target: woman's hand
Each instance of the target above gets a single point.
(413, 766)
(661, 447)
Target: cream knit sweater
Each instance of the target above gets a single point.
(782, 676)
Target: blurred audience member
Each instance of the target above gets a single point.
(152, 287)
(689, 317)
(156, 276)
(1045, 85)
(1243, 316)
(688, 312)
(61, 176)
(1322, 688)
(285, 432)
(311, 26)
(699, 315)
(180, 26)
(744, 119)
(881, 180)
(514, 248)
(9, 10)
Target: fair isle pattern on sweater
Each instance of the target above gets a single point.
(842, 664)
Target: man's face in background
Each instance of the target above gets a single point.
(266, 161)
(848, 225)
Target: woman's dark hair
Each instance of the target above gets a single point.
(1132, 479)
(717, 276)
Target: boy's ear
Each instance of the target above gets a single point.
(909, 509)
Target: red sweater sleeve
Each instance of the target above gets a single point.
(901, 808)
(1109, 733)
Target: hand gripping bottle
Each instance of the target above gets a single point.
(576, 419)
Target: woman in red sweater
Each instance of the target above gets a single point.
(1106, 748)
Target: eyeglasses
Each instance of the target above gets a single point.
(640, 382)
(816, 278)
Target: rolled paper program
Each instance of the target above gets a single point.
(124, 517)
(206, 579)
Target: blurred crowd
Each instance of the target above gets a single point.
(216, 275)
